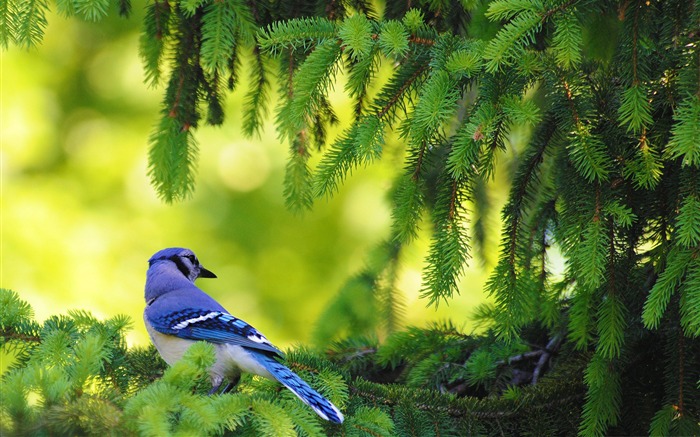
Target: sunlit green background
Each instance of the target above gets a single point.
(79, 218)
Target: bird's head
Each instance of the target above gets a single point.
(184, 260)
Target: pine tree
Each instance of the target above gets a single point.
(610, 175)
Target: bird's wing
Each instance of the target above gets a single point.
(217, 327)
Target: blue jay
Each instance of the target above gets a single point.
(178, 314)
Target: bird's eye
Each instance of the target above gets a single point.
(192, 258)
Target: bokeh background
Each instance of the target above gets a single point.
(80, 219)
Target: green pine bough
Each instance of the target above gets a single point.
(74, 375)
(609, 174)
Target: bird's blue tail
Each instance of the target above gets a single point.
(322, 406)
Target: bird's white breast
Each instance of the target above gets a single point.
(171, 348)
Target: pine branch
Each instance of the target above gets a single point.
(612, 321)
(588, 154)
(311, 82)
(514, 36)
(437, 103)
(257, 98)
(395, 93)
(361, 144)
(17, 326)
(172, 155)
(293, 35)
(355, 32)
(685, 132)
(298, 192)
(635, 109)
(515, 295)
(360, 73)
(449, 249)
(602, 406)
(690, 301)
(27, 22)
(92, 10)
(567, 40)
(125, 8)
(645, 169)
(393, 39)
(409, 202)
(219, 30)
(660, 295)
(152, 41)
(173, 152)
(8, 17)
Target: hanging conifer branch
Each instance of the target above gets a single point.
(389, 99)
(408, 198)
(449, 249)
(512, 297)
(173, 149)
(153, 40)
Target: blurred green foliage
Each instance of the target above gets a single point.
(80, 218)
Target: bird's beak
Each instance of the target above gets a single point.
(204, 273)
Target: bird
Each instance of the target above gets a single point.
(179, 314)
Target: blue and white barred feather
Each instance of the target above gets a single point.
(322, 406)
